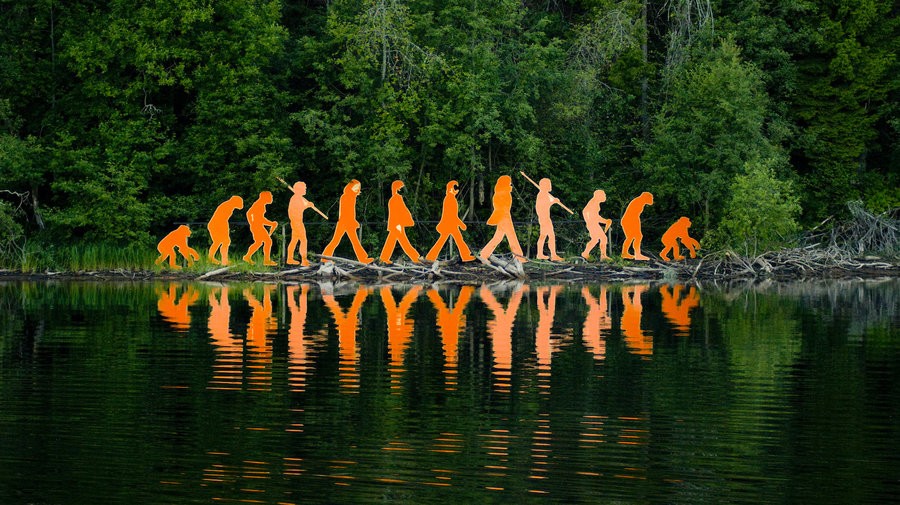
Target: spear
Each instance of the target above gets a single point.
(537, 186)
(311, 205)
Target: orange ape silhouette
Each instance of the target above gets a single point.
(546, 314)
(347, 224)
(261, 228)
(399, 326)
(631, 225)
(636, 340)
(677, 309)
(501, 217)
(450, 323)
(450, 226)
(174, 312)
(176, 238)
(297, 205)
(597, 321)
(679, 230)
(398, 219)
(500, 331)
(595, 222)
(218, 228)
(542, 205)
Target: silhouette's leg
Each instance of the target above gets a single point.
(492, 244)
(436, 248)
(464, 253)
(408, 248)
(361, 253)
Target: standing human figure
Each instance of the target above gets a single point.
(219, 231)
(631, 225)
(542, 205)
(347, 224)
(296, 206)
(261, 228)
(501, 217)
(450, 226)
(398, 219)
(594, 222)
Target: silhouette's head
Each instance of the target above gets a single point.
(299, 188)
(647, 198)
(266, 196)
(236, 202)
(504, 183)
(600, 195)
(396, 186)
(545, 184)
(184, 230)
(684, 221)
(352, 187)
(452, 188)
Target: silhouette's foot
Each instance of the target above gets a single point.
(304, 263)
(292, 261)
(541, 257)
(521, 259)
(386, 261)
(270, 264)
(484, 260)
(418, 259)
(248, 259)
(367, 260)
(626, 256)
(467, 258)
(604, 257)
(679, 258)
(214, 261)
(641, 257)
(556, 258)
(586, 256)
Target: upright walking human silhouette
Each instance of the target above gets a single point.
(296, 207)
(594, 222)
(542, 204)
(450, 226)
(347, 224)
(631, 225)
(261, 228)
(219, 231)
(399, 218)
(501, 217)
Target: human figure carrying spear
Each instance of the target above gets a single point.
(542, 205)
(297, 205)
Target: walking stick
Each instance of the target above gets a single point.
(537, 186)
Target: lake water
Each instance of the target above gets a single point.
(287, 394)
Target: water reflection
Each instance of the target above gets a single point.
(261, 327)
(451, 321)
(597, 323)
(347, 324)
(174, 309)
(500, 330)
(638, 341)
(229, 350)
(677, 308)
(399, 327)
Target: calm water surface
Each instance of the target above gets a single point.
(283, 394)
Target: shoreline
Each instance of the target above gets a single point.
(787, 265)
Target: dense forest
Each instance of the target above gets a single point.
(757, 118)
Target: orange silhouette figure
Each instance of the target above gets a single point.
(399, 326)
(228, 368)
(176, 313)
(261, 228)
(500, 331)
(637, 341)
(297, 205)
(177, 238)
(544, 330)
(296, 337)
(450, 323)
(597, 321)
(542, 205)
(398, 219)
(678, 309)
(595, 222)
(501, 217)
(679, 230)
(261, 325)
(347, 224)
(219, 231)
(631, 225)
(347, 323)
(450, 226)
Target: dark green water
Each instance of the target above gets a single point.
(198, 393)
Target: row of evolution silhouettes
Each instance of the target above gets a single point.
(449, 227)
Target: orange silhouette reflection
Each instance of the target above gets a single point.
(450, 323)
(631, 225)
(546, 314)
(399, 326)
(501, 217)
(597, 322)
(638, 342)
(347, 324)
(500, 331)
(297, 344)
(261, 325)
(678, 309)
(228, 367)
(176, 312)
